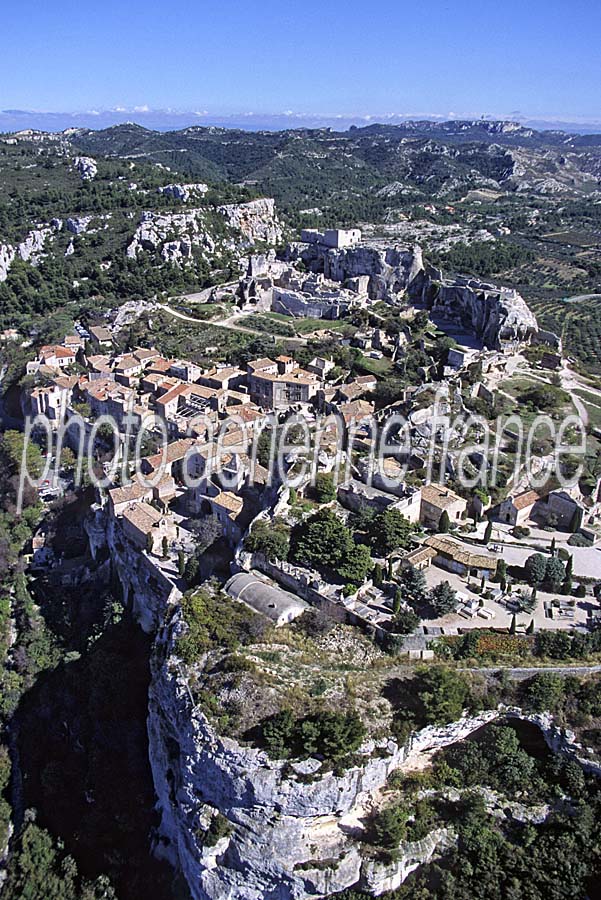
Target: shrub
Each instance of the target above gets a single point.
(216, 622)
(544, 692)
(390, 826)
(332, 735)
(270, 538)
(219, 827)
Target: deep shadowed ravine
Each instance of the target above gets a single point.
(83, 750)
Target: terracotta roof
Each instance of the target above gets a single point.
(128, 362)
(528, 498)
(356, 409)
(419, 555)
(440, 496)
(100, 333)
(174, 393)
(59, 352)
(160, 365)
(296, 376)
(458, 552)
(231, 502)
(133, 491)
(256, 365)
(143, 516)
(174, 451)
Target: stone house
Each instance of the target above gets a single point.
(517, 510)
(436, 499)
(456, 557)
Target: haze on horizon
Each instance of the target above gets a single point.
(533, 62)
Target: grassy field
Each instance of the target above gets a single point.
(579, 326)
(375, 366)
(593, 407)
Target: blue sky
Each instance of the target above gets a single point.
(533, 57)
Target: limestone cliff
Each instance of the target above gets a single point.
(292, 830)
(288, 830)
(493, 314)
(177, 235)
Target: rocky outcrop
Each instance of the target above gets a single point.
(177, 235)
(32, 248)
(293, 829)
(148, 589)
(86, 166)
(494, 314)
(78, 225)
(7, 255)
(183, 192)
(390, 271)
(173, 235)
(256, 221)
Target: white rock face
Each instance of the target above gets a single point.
(176, 235)
(293, 830)
(78, 225)
(183, 192)
(291, 835)
(494, 314)
(7, 254)
(32, 248)
(256, 220)
(155, 229)
(86, 166)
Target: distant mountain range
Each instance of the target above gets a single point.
(163, 120)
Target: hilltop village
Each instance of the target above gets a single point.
(291, 575)
(479, 351)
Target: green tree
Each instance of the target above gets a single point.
(356, 565)
(554, 572)
(377, 575)
(443, 599)
(444, 523)
(535, 568)
(390, 826)
(325, 488)
(405, 621)
(413, 588)
(569, 567)
(389, 531)
(443, 694)
(270, 538)
(322, 540)
(488, 532)
(544, 692)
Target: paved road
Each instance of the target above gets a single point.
(535, 670)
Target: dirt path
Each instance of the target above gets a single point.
(231, 323)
